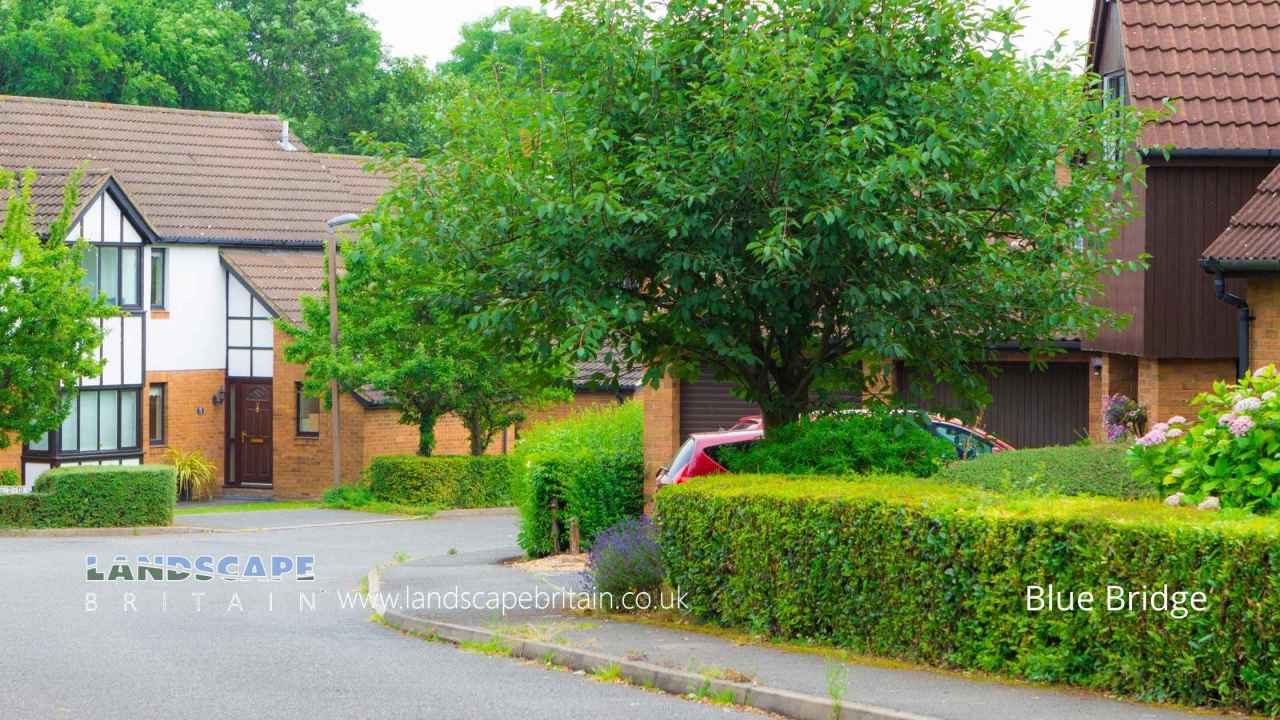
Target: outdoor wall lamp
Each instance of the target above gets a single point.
(219, 397)
(1095, 364)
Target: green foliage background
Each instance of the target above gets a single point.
(1087, 470)
(935, 573)
(105, 496)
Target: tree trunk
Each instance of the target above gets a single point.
(478, 434)
(426, 435)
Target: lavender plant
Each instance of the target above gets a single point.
(625, 566)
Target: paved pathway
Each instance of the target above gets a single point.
(166, 659)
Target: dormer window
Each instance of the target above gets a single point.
(1114, 94)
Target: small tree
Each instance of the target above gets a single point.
(792, 194)
(49, 329)
(400, 333)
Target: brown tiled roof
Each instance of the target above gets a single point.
(598, 375)
(196, 175)
(1217, 60)
(1254, 231)
(46, 195)
(279, 277)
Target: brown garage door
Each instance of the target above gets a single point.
(707, 405)
(1030, 408)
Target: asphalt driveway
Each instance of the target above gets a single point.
(283, 649)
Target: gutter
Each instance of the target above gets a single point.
(1259, 154)
(1242, 308)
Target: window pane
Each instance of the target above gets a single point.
(129, 276)
(157, 277)
(129, 418)
(41, 444)
(89, 261)
(308, 413)
(70, 425)
(155, 433)
(108, 420)
(109, 273)
(88, 421)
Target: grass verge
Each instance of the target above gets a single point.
(248, 506)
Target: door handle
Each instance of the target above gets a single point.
(252, 440)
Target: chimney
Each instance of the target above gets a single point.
(284, 137)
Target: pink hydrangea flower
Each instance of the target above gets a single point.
(1160, 427)
(1175, 432)
(1240, 425)
(1261, 372)
(1269, 395)
(1155, 437)
(1226, 419)
(1247, 404)
(1177, 420)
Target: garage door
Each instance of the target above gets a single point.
(1030, 408)
(707, 405)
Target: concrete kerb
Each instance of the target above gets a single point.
(197, 530)
(677, 682)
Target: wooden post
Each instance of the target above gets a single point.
(555, 527)
(574, 539)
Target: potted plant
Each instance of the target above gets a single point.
(195, 473)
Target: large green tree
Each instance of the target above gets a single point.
(791, 194)
(49, 329)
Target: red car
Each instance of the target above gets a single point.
(693, 459)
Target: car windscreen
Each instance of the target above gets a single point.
(682, 458)
(968, 445)
(715, 452)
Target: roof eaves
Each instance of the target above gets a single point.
(238, 273)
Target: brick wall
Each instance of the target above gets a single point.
(11, 457)
(1119, 375)
(189, 393)
(1264, 332)
(580, 401)
(661, 431)
(1166, 387)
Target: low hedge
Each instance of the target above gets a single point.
(93, 496)
(937, 573)
(1073, 470)
(589, 466)
(460, 481)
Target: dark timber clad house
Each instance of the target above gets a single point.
(1219, 64)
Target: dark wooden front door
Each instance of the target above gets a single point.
(251, 441)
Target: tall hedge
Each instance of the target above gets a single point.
(446, 481)
(92, 496)
(590, 466)
(937, 573)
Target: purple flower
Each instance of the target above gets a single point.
(1226, 419)
(1162, 427)
(1174, 433)
(1240, 425)
(1177, 420)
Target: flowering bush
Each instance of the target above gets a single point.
(626, 559)
(1232, 452)
(1122, 417)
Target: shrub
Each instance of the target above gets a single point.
(461, 481)
(9, 476)
(625, 560)
(93, 496)
(1122, 417)
(589, 466)
(1232, 451)
(937, 573)
(852, 442)
(1075, 470)
(196, 474)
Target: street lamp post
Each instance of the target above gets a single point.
(335, 423)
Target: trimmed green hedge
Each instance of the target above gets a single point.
(590, 466)
(937, 573)
(459, 481)
(106, 496)
(1073, 470)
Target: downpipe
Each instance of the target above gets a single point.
(1242, 321)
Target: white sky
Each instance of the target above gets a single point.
(430, 27)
